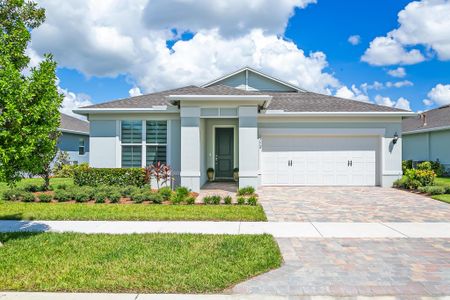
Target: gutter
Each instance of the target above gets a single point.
(73, 131)
(280, 113)
(155, 109)
(427, 130)
(263, 100)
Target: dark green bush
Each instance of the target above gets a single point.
(215, 199)
(61, 186)
(252, 200)
(27, 197)
(62, 195)
(177, 198)
(447, 189)
(246, 191)
(401, 183)
(33, 188)
(45, 197)
(240, 200)
(100, 197)
(156, 198)
(142, 195)
(406, 165)
(114, 197)
(207, 199)
(126, 191)
(165, 192)
(110, 176)
(82, 196)
(182, 191)
(227, 200)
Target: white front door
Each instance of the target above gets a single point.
(307, 160)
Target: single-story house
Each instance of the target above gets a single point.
(273, 131)
(74, 139)
(427, 136)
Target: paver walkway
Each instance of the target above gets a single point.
(350, 204)
(277, 229)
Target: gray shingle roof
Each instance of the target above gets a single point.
(435, 118)
(73, 124)
(287, 101)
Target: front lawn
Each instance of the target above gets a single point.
(442, 181)
(144, 263)
(114, 212)
(443, 198)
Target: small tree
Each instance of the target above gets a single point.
(29, 116)
(162, 173)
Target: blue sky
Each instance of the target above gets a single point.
(321, 27)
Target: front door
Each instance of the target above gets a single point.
(224, 149)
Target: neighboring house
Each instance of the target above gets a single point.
(74, 139)
(273, 131)
(427, 136)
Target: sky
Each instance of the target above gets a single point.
(394, 53)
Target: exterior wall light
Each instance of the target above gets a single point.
(394, 141)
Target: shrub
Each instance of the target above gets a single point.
(100, 197)
(114, 197)
(126, 191)
(143, 195)
(177, 198)
(12, 194)
(62, 195)
(156, 198)
(252, 200)
(68, 171)
(426, 165)
(246, 191)
(438, 168)
(207, 199)
(165, 192)
(61, 186)
(215, 199)
(416, 178)
(190, 200)
(432, 190)
(447, 189)
(227, 200)
(110, 176)
(33, 188)
(45, 197)
(183, 191)
(27, 197)
(81, 196)
(401, 182)
(406, 165)
(89, 191)
(240, 200)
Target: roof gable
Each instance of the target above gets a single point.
(252, 80)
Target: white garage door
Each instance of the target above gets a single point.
(301, 160)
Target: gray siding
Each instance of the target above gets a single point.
(255, 83)
(69, 143)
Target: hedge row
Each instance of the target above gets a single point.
(110, 176)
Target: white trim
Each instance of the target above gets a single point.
(118, 143)
(235, 143)
(279, 113)
(323, 131)
(256, 72)
(157, 109)
(426, 130)
(73, 131)
(392, 173)
(190, 174)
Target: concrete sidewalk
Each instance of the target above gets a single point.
(277, 229)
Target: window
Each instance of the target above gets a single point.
(143, 140)
(156, 140)
(131, 144)
(81, 146)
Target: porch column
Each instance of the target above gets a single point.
(190, 148)
(248, 146)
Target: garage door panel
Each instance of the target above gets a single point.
(319, 160)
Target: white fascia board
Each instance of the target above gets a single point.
(263, 100)
(155, 109)
(73, 131)
(279, 113)
(427, 130)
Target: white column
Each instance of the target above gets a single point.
(248, 146)
(190, 148)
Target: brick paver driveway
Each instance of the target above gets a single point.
(406, 268)
(350, 204)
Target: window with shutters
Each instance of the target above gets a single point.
(131, 134)
(156, 142)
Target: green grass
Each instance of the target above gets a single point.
(442, 181)
(443, 198)
(123, 212)
(23, 182)
(144, 263)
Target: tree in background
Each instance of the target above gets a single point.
(29, 116)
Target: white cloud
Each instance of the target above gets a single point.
(440, 95)
(107, 38)
(399, 84)
(135, 91)
(424, 23)
(387, 51)
(231, 17)
(352, 93)
(72, 101)
(399, 72)
(401, 102)
(354, 39)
